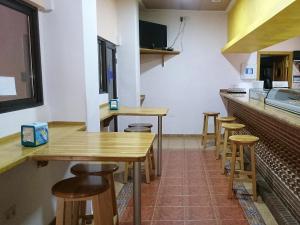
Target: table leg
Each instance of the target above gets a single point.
(137, 209)
(159, 145)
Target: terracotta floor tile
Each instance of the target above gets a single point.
(219, 189)
(198, 213)
(147, 213)
(168, 222)
(130, 223)
(147, 200)
(234, 222)
(222, 200)
(165, 200)
(195, 190)
(171, 181)
(218, 180)
(168, 213)
(171, 190)
(227, 213)
(200, 181)
(212, 173)
(197, 200)
(173, 173)
(149, 189)
(201, 222)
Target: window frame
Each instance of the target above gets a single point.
(37, 99)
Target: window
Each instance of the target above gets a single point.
(20, 66)
(107, 68)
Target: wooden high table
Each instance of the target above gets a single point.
(106, 115)
(116, 147)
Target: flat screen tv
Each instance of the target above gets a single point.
(153, 35)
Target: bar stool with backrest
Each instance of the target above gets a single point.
(71, 192)
(220, 136)
(205, 133)
(229, 128)
(238, 142)
(147, 163)
(100, 169)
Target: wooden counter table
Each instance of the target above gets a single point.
(277, 152)
(70, 143)
(107, 114)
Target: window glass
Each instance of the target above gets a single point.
(20, 78)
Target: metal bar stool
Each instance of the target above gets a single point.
(99, 169)
(241, 141)
(226, 153)
(205, 133)
(220, 136)
(147, 163)
(70, 192)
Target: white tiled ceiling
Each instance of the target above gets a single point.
(213, 5)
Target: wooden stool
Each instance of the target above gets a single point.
(220, 120)
(226, 154)
(105, 170)
(205, 133)
(149, 125)
(73, 191)
(241, 141)
(149, 163)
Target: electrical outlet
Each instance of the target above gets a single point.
(10, 212)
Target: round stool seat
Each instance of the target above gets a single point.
(243, 139)
(233, 126)
(211, 113)
(138, 129)
(149, 125)
(80, 187)
(84, 169)
(226, 119)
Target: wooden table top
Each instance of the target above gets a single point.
(69, 142)
(106, 113)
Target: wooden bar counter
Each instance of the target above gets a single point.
(278, 151)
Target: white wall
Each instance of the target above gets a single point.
(189, 83)
(69, 62)
(128, 67)
(107, 17)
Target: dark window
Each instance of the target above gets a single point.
(20, 66)
(107, 68)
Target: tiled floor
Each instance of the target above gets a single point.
(191, 191)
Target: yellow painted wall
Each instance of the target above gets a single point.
(246, 15)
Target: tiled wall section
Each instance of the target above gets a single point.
(278, 153)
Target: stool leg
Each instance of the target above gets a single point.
(147, 171)
(217, 140)
(111, 182)
(232, 170)
(82, 212)
(242, 158)
(75, 213)
(102, 208)
(215, 130)
(203, 130)
(152, 158)
(60, 210)
(126, 172)
(224, 151)
(204, 140)
(253, 170)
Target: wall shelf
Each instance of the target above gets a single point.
(163, 53)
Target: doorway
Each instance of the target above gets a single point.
(275, 66)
